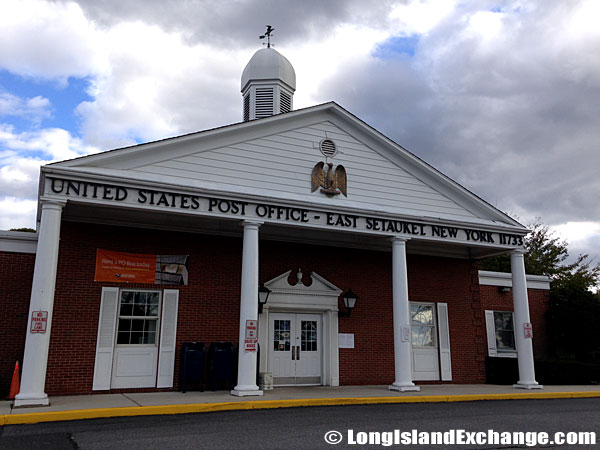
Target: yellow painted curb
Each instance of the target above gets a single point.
(53, 416)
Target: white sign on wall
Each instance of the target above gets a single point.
(528, 330)
(346, 340)
(238, 209)
(251, 329)
(406, 333)
(39, 321)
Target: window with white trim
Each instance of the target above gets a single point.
(422, 325)
(500, 333)
(138, 317)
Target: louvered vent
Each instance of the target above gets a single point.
(247, 108)
(328, 148)
(264, 102)
(285, 103)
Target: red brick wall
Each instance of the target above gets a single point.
(16, 271)
(539, 302)
(209, 305)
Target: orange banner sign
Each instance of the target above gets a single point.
(125, 267)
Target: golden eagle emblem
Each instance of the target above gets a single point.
(331, 181)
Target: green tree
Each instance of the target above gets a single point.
(27, 230)
(546, 254)
(574, 312)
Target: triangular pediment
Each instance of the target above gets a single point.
(302, 284)
(273, 158)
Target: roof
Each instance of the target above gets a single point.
(269, 64)
(291, 132)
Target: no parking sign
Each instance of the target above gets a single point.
(39, 321)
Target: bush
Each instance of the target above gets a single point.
(501, 370)
(550, 372)
(567, 372)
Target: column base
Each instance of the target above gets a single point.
(528, 386)
(406, 388)
(24, 400)
(244, 393)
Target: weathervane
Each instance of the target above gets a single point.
(267, 35)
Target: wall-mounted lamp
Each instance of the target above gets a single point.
(503, 289)
(349, 302)
(263, 296)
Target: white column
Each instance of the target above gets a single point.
(35, 361)
(401, 314)
(248, 311)
(521, 307)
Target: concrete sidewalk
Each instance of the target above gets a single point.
(134, 404)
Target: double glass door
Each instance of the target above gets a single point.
(295, 348)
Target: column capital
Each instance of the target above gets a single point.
(52, 204)
(399, 239)
(251, 223)
(518, 251)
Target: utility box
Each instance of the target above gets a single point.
(193, 355)
(221, 359)
(266, 381)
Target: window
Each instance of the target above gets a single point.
(505, 334)
(422, 325)
(138, 317)
(500, 333)
(308, 338)
(281, 336)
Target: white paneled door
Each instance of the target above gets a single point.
(136, 350)
(425, 360)
(295, 348)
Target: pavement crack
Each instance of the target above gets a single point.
(129, 398)
(72, 441)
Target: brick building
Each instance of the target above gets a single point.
(144, 248)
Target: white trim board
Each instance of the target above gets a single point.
(487, 278)
(141, 198)
(18, 242)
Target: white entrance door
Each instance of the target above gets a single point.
(136, 350)
(295, 348)
(425, 360)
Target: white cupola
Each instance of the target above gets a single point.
(268, 85)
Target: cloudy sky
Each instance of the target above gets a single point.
(502, 96)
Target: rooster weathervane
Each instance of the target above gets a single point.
(267, 35)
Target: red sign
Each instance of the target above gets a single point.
(250, 345)
(528, 330)
(39, 321)
(125, 267)
(251, 341)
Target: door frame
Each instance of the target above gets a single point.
(320, 297)
(106, 338)
(130, 350)
(295, 320)
(432, 352)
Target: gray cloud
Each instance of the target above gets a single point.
(514, 119)
(513, 116)
(239, 23)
